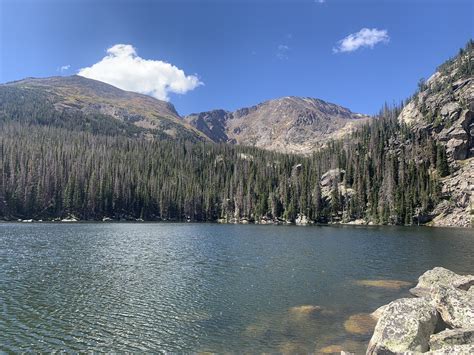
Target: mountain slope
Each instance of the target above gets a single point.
(77, 102)
(288, 124)
(443, 108)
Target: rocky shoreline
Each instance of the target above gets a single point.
(301, 220)
(438, 320)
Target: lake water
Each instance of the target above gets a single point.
(208, 287)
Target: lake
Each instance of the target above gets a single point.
(208, 287)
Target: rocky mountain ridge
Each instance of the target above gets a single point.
(75, 94)
(443, 108)
(288, 124)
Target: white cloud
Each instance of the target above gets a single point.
(282, 51)
(320, 1)
(63, 68)
(123, 68)
(364, 38)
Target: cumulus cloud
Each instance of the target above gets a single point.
(364, 38)
(123, 68)
(63, 68)
(282, 51)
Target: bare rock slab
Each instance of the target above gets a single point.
(451, 337)
(455, 306)
(454, 350)
(405, 325)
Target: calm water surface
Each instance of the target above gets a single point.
(205, 287)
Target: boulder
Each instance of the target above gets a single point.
(440, 276)
(451, 337)
(302, 220)
(405, 325)
(378, 312)
(456, 349)
(455, 306)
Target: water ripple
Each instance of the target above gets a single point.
(185, 287)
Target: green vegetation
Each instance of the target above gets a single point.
(57, 163)
(50, 172)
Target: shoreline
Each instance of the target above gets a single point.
(438, 318)
(159, 221)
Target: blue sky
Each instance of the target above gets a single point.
(230, 54)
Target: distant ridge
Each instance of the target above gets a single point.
(288, 124)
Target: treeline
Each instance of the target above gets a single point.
(56, 164)
(379, 174)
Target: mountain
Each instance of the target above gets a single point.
(86, 104)
(288, 124)
(443, 109)
(72, 149)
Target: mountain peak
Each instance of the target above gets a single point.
(72, 95)
(288, 124)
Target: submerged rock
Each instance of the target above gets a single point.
(405, 325)
(305, 311)
(292, 348)
(387, 284)
(451, 337)
(346, 347)
(361, 323)
(331, 349)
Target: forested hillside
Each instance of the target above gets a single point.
(78, 103)
(384, 173)
(52, 172)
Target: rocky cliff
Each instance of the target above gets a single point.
(443, 108)
(287, 124)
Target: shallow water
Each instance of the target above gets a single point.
(208, 287)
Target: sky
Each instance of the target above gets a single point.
(208, 54)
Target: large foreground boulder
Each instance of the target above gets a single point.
(405, 325)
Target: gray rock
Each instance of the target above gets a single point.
(288, 124)
(451, 337)
(456, 349)
(405, 325)
(440, 276)
(378, 312)
(455, 306)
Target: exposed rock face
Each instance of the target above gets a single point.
(405, 325)
(444, 109)
(451, 337)
(419, 324)
(76, 93)
(288, 124)
(459, 187)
